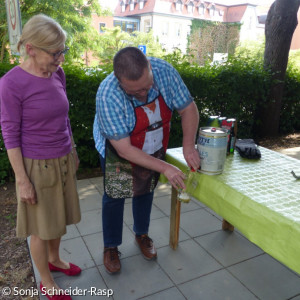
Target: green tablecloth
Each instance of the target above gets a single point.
(260, 198)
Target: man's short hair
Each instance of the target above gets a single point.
(130, 63)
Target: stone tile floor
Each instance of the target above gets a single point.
(209, 263)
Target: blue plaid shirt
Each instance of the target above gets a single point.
(115, 118)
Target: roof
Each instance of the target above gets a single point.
(230, 13)
(235, 13)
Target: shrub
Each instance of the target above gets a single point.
(231, 90)
(81, 90)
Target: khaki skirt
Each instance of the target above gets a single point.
(57, 198)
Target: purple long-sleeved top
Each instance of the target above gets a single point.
(34, 114)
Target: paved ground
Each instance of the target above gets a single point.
(209, 263)
(293, 152)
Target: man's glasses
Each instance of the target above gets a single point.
(139, 92)
(56, 55)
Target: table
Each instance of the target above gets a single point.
(260, 198)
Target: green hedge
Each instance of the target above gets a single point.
(81, 90)
(231, 90)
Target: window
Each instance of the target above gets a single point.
(250, 24)
(131, 5)
(190, 8)
(178, 30)
(212, 11)
(141, 4)
(123, 7)
(101, 27)
(178, 6)
(165, 29)
(127, 26)
(120, 24)
(201, 9)
(147, 25)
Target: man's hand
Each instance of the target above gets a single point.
(137, 156)
(175, 176)
(27, 192)
(190, 120)
(192, 157)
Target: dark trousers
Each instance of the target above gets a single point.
(113, 211)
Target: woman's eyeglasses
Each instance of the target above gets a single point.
(57, 54)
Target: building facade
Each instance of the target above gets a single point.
(170, 20)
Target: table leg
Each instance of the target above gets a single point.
(174, 219)
(227, 226)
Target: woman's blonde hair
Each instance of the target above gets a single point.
(43, 32)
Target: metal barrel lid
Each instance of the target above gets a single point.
(213, 130)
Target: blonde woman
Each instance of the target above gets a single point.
(38, 138)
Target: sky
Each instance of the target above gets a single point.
(113, 3)
(235, 2)
(265, 2)
(109, 4)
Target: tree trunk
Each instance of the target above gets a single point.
(280, 25)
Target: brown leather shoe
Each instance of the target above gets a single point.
(146, 245)
(111, 260)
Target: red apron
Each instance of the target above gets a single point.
(124, 179)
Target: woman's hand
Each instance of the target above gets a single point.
(27, 192)
(76, 158)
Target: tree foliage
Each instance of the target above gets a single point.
(294, 59)
(115, 39)
(4, 55)
(251, 50)
(73, 15)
